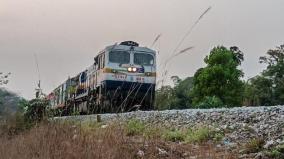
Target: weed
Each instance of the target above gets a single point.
(254, 145)
(70, 140)
(198, 136)
(274, 154)
(280, 148)
(218, 137)
(134, 127)
(174, 135)
(277, 152)
(152, 132)
(89, 126)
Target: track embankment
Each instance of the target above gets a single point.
(239, 125)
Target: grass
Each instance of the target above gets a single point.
(135, 127)
(174, 135)
(276, 152)
(254, 145)
(102, 140)
(199, 135)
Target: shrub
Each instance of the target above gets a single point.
(199, 135)
(254, 145)
(134, 127)
(174, 135)
(152, 132)
(35, 110)
(218, 136)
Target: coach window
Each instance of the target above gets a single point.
(99, 62)
(103, 60)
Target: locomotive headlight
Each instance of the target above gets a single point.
(134, 69)
(129, 69)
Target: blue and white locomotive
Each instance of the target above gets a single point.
(122, 78)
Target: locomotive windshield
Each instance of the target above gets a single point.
(143, 59)
(121, 57)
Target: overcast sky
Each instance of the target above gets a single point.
(67, 34)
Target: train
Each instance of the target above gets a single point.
(122, 78)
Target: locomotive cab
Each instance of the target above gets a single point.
(128, 75)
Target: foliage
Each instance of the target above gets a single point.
(258, 91)
(275, 72)
(152, 132)
(176, 97)
(254, 145)
(164, 98)
(220, 79)
(199, 135)
(210, 102)
(174, 135)
(268, 87)
(35, 110)
(182, 92)
(134, 127)
(276, 152)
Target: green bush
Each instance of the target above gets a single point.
(218, 136)
(134, 127)
(199, 135)
(174, 135)
(152, 132)
(35, 110)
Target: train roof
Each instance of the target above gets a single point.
(128, 45)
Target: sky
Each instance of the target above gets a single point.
(65, 35)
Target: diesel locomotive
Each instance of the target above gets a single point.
(122, 78)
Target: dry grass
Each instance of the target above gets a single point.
(54, 140)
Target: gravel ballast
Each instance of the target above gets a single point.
(243, 123)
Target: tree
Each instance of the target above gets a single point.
(176, 97)
(164, 98)
(258, 91)
(35, 110)
(275, 73)
(220, 79)
(182, 93)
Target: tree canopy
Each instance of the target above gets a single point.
(177, 97)
(268, 87)
(220, 79)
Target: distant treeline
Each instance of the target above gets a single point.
(9, 102)
(220, 83)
